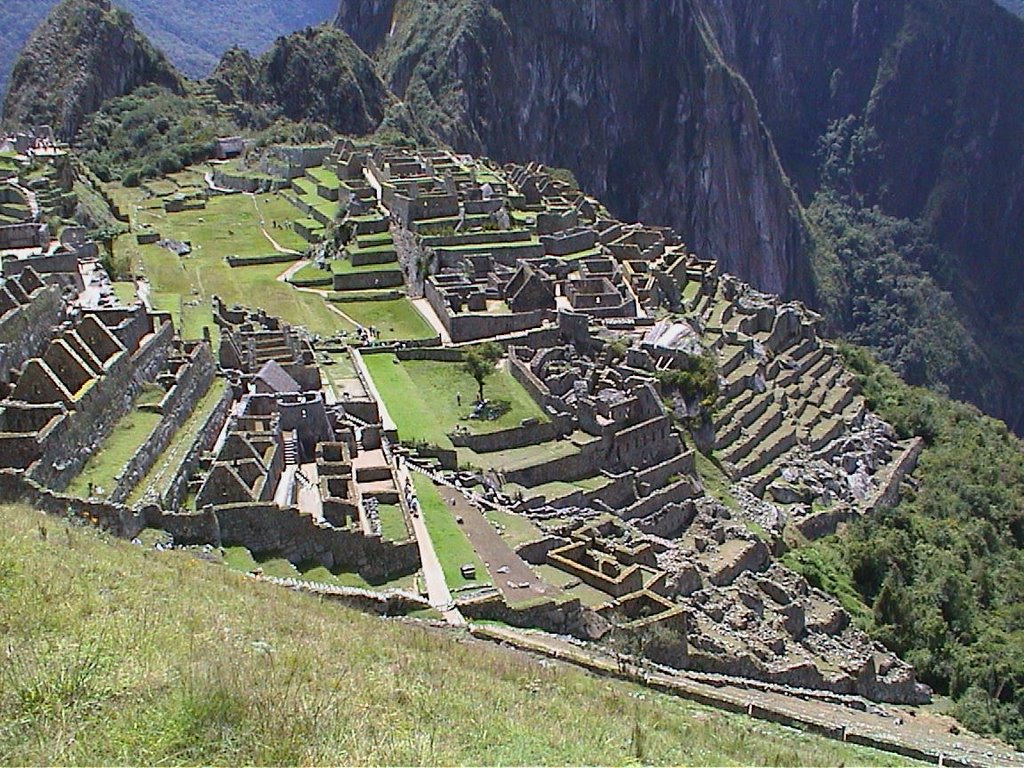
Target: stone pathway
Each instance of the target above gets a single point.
(431, 317)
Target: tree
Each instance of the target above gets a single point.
(479, 362)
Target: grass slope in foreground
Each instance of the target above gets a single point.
(118, 654)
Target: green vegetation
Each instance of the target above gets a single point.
(228, 226)
(166, 465)
(479, 362)
(392, 523)
(150, 132)
(120, 654)
(714, 480)
(879, 279)
(394, 319)
(450, 543)
(698, 383)
(421, 396)
(942, 574)
(105, 463)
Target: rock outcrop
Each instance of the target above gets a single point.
(85, 52)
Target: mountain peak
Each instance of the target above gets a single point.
(83, 53)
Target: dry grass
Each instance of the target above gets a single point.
(116, 654)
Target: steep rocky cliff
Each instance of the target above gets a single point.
(84, 53)
(317, 74)
(726, 118)
(921, 106)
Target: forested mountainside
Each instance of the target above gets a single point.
(85, 52)
(193, 33)
(339, 83)
(766, 112)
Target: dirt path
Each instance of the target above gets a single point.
(293, 269)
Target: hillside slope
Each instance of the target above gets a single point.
(119, 653)
(561, 83)
(85, 52)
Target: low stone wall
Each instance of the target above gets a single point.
(361, 281)
(392, 602)
(270, 258)
(562, 618)
(567, 468)
(194, 382)
(297, 537)
(441, 354)
(117, 519)
(514, 437)
(617, 494)
(472, 326)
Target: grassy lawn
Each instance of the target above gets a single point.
(130, 432)
(345, 267)
(312, 275)
(198, 276)
(228, 226)
(450, 543)
(125, 293)
(420, 395)
(395, 319)
(392, 523)
(273, 208)
(166, 465)
(324, 176)
(119, 654)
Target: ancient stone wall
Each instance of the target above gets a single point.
(514, 437)
(16, 486)
(268, 529)
(563, 618)
(26, 329)
(193, 382)
(77, 436)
